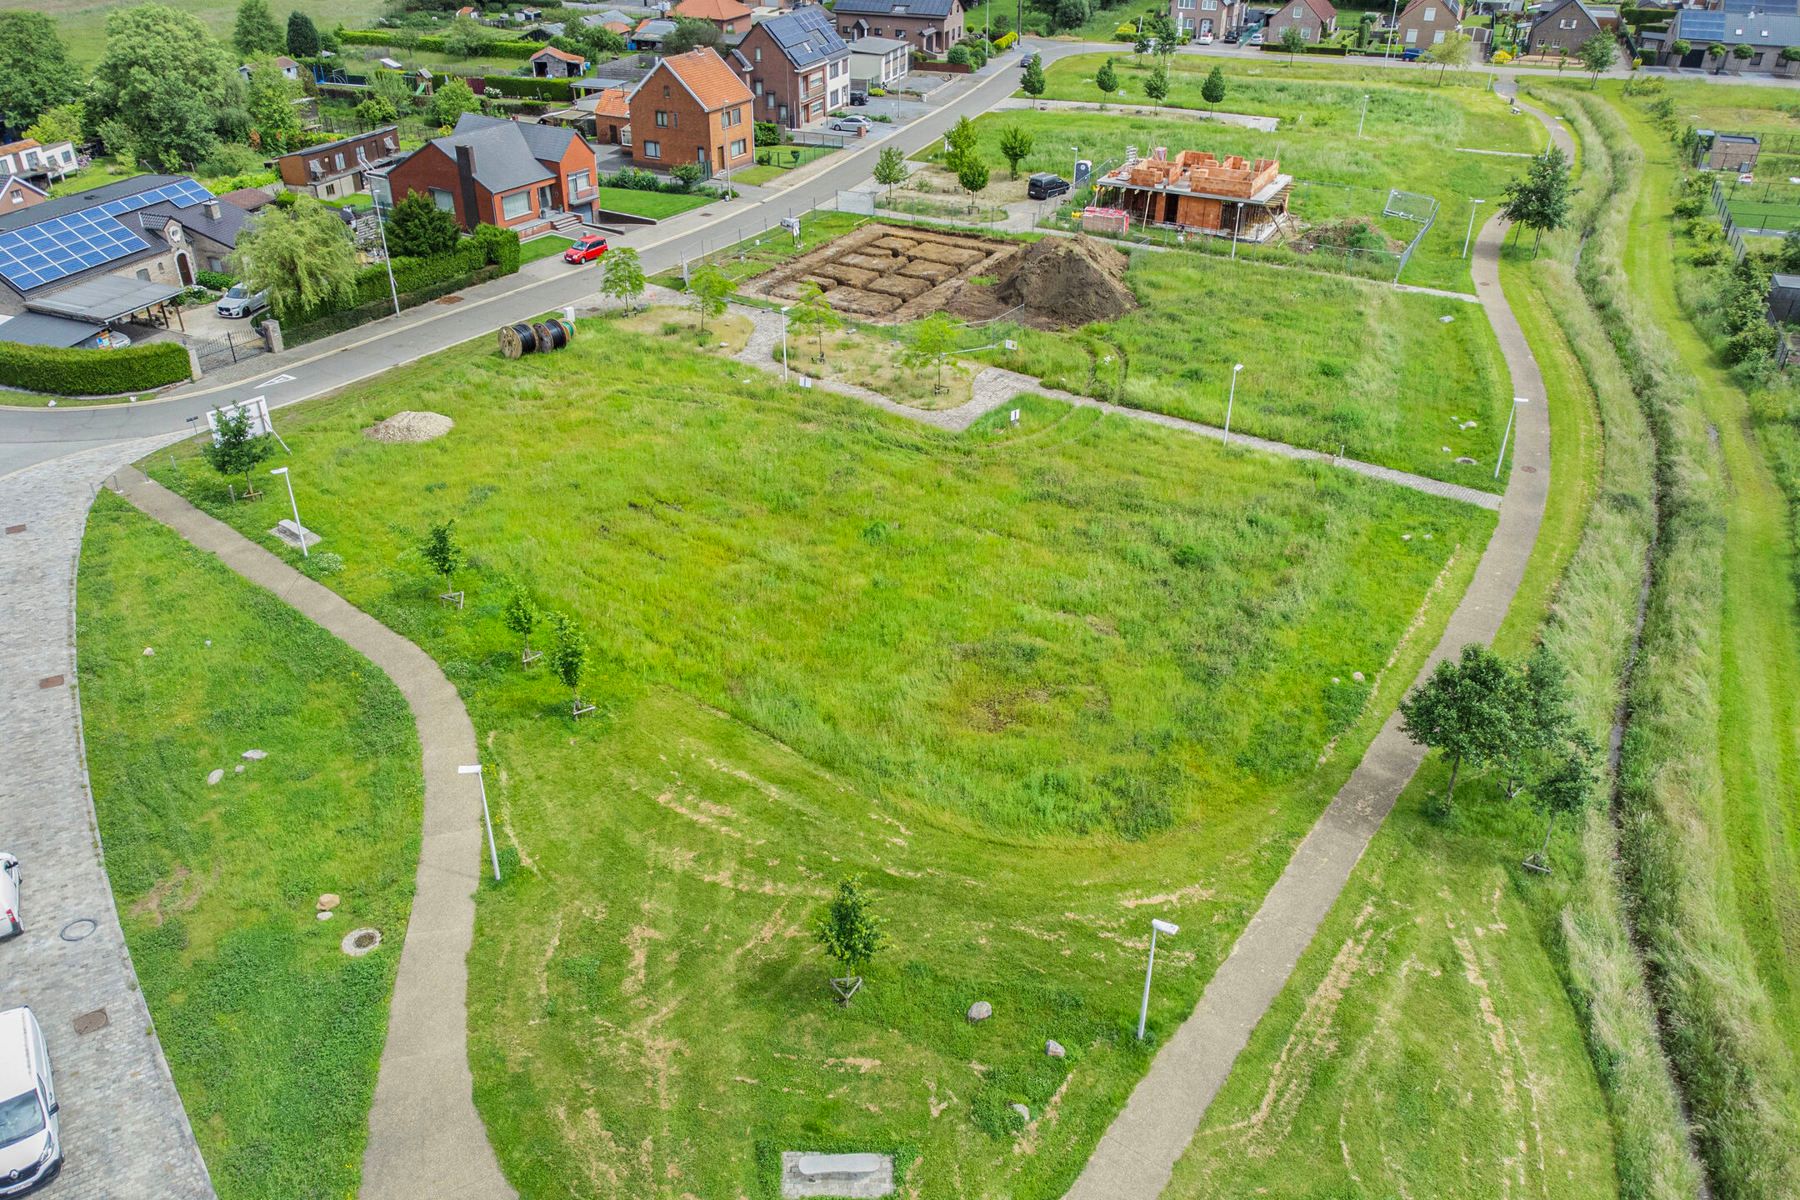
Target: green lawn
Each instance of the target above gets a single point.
(1412, 136)
(82, 23)
(657, 205)
(1034, 684)
(543, 247)
(272, 1033)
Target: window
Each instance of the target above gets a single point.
(665, 91)
(759, 54)
(1566, 23)
(515, 206)
(1299, 11)
(1208, 5)
(730, 117)
(759, 90)
(738, 148)
(1430, 14)
(18, 196)
(340, 160)
(443, 199)
(578, 182)
(662, 119)
(771, 99)
(1437, 39)
(652, 149)
(1412, 36)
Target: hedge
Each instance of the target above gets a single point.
(1004, 40)
(1335, 51)
(528, 87)
(67, 372)
(401, 39)
(373, 310)
(488, 246)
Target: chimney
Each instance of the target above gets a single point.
(465, 176)
(212, 209)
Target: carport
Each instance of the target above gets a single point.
(110, 299)
(36, 329)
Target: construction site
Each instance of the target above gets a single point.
(1197, 192)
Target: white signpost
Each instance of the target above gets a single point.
(255, 410)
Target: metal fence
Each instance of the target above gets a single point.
(1722, 207)
(226, 351)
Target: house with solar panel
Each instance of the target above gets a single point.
(930, 27)
(796, 66)
(1737, 24)
(116, 253)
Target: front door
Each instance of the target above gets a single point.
(186, 268)
(545, 199)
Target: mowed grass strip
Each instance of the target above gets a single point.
(1036, 685)
(656, 205)
(272, 1033)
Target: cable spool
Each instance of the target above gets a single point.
(517, 340)
(541, 337)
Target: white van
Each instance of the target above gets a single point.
(30, 1141)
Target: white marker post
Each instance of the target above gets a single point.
(1474, 206)
(493, 854)
(1231, 400)
(1156, 927)
(1517, 400)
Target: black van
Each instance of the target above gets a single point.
(1044, 186)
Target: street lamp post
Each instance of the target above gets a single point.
(1075, 167)
(1517, 400)
(1230, 400)
(1156, 927)
(299, 529)
(1364, 116)
(1474, 204)
(493, 854)
(784, 325)
(386, 258)
(1387, 46)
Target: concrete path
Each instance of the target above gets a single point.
(425, 1139)
(1242, 120)
(1137, 1155)
(125, 1134)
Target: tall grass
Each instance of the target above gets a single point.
(1716, 1019)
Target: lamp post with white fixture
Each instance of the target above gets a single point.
(1517, 400)
(493, 854)
(1156, 927)
(299, 529)
(1230, 400)
(784, 325)
(1364, 116)
(1475, 204)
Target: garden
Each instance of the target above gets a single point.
(1030, 683)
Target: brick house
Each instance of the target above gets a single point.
(1562, 28)
(930, 27)
(796, 66)
(17, 193)
(1426, 23)
(730, 18)
(692, 108)
(1212, 18)
(1315, 18)
(551, 63)
(1231, 196)
(338, 168)
(491, 171)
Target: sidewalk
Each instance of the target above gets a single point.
(425, 1139)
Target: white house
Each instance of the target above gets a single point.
(879, 62)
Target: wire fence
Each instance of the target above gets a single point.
(1722, 206)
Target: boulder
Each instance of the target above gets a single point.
(217, 774)
(256, 755)
(1024, 1113)
(981, 1010)
(1054, 1049)
(329, 901)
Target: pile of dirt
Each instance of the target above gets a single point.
(1349, 233)
(410, 427)
(1067, 281)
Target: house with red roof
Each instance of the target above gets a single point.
(693, 108)
(1317, 19)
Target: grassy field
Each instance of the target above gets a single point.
(1415, 139)
(1033, 683)
(272, 1033)
(82, 23)
(656, 205)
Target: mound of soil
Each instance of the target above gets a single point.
(1350, 233)
(410, 427)
(1066, 281)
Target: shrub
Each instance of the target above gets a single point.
(528, 87)
(768, 133)
(958, 56)
(66, 372)
(217, 280)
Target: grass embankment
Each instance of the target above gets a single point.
(272, 1033)
(655, 205)
(1679, 820)
(1436, 1027)
(1414, 138)
(827, 640)
(82, 24)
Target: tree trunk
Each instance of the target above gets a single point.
(1544, 850)
(1450, 789)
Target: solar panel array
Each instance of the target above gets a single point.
(58, 247)
(1702, 26)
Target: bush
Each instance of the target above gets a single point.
(958, 56)
(1004, 41)
(489, 246)
(404, 40)
(527, 87)
(768, 133)
(217, 280)
(66, 372)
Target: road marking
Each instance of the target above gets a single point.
(278, 379)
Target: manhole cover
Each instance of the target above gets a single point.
(79, 928)
(359, 942)
(90, 1022)
(50, 681)
(1529, 470)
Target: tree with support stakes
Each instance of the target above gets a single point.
(236, 450)
(1539, 199)
(1016, 144)
(569, 659)
(1033, 83)
(1565, 786)
(1468, 709)
(1213, 90)
(932, 341)
(522, 617)
(1107, 79)
(1293, 41)
(1157, 85)
(1545, 718)
(812, 313)
(890, 168)
(959, 144)
(1597, 54)
(444, 554)
(708, 291)
(851, 935)
(622, 276)
(972, 176)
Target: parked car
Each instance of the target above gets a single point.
(853, 123)
(1411, 55)
(11, 924)
(1026, 62)
(586, 249)
(1204, 39)
(1231, 36)
(857, 99)
(1255, 39)
(30, 1131)
(239, 302)
(1045, 186)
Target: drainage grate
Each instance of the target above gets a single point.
(91, 1022)
(50, 681)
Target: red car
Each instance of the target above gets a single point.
(589, 248)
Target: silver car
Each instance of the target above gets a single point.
(30, 1131)
(11, 925)
(241, 302)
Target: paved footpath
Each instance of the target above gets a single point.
(125, 1135)
(1137, 1155)
(425, 1139)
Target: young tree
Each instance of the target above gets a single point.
(812, 313)
(443, 553)
(622, 276)
(373, 112)
(690, 33)
(302, 256)
(522, 617)
(274, 121)
(1716, 52)
(1107, 79)
(1033, 83)
(1468, 709)
(569, 658)
(451, 100)
(708, 291)
(932, 341)
(163, 88)
(302, 36)
(1293, 41)
(1016, 144)
(1157, 85)
(1679, 48)
(418, 228)
(255, 33)
(35, 72)
(1539, 199)
(959, 143)
(1566, 785)
(688, 175)
(62, 123)
(1545, 719)
(890, 168)
(392, 87)
(1141, 44)
(1597, 54)
(851, 934)
(1213, 90)
(972, 176)
(236, 451)
(599, 43)
(1453, 51)
(1790, 251)
(1743, 53)
(1162, 31)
